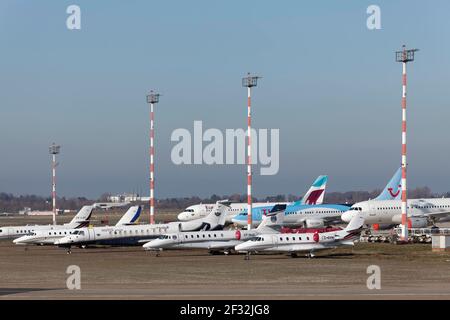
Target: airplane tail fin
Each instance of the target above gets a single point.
(131, 216)
(274, 218)
(216, 219)
(82, 218)
(316, 192)
(392, 191)
(353, 230)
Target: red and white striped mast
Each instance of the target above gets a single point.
(249, 82)
(54, 150)
(404, 56)
(152, 98)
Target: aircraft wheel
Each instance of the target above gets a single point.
(294, 255)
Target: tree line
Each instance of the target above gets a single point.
(12, 203)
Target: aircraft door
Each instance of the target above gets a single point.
(91, 234)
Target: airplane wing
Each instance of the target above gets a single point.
(223, 244)
(319, 246)
(437, 215)
(147, 240)
(309, 247)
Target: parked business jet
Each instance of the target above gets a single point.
(217, 240)
(139, 234)
(316, 215)
(305, 242)
(421, 212)
(314, 195)
(80, 220)
(48, 237)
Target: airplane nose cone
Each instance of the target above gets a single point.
(150, 245)
(241, 247)
(182, 217)
(347, 216)
(146, 246)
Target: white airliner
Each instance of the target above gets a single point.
(80, 220)
(217, 240)
(139, 234)
(385, 210)
(48, 237)
(314, 195)
(304, 242)
(421, 212)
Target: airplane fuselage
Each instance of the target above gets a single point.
(19, 231)
(389, 211)
(202, 210)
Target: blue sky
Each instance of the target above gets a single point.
(329, 84)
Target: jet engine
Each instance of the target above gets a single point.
(314, 223)
(418, 222)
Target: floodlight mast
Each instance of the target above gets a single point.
(404, 56)
(152, 99)
(54, 150)
(249, 81)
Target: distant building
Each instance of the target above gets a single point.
(125, 197)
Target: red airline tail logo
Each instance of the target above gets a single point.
(396, 193)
